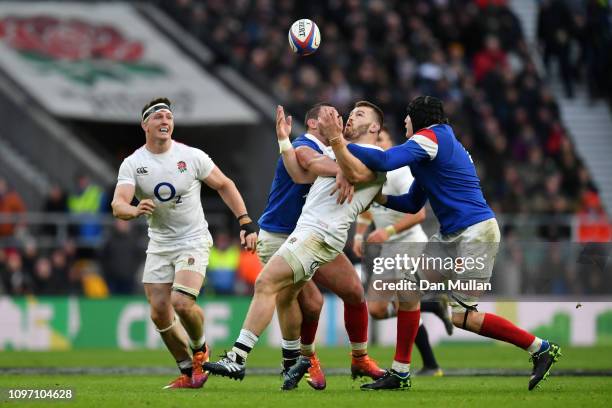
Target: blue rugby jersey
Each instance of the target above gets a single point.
(286, 198)
(444, 173)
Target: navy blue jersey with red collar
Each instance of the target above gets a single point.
(286, 198)
(443, 173)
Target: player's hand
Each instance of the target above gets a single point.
(357, 245)
(283, 125)
(248, 242)
(345, 189)
(378, 236)
(145, 206)
(330, 122)
(248, 234)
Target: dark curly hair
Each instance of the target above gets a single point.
(425, 111)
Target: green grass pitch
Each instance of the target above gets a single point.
(143, 390)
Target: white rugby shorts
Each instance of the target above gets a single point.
(163, 261)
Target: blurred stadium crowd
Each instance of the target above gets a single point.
(471, 54)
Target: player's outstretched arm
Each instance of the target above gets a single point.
(297, 173)
(233, 199)
(394, 158)
(121, 204)
(316, 163)
(411, 202)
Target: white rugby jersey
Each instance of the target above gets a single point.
(172, 180)
(398, 183)
(322, 214)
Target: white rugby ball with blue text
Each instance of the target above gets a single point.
(304, 37)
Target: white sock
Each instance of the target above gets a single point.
(196, 344)
(400, 367)
(291, 344)
(359, 346)
(308, 349)
(246, 338)
(535, 346)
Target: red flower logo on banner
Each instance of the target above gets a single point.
(83, 51)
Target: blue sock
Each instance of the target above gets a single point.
(403, 375)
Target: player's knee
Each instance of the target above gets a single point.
(311, 307)
(264, 284)
(352, 294)
(162, 315)
(378, 311)
(181, 303)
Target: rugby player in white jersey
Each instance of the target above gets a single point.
(319, 238)
(397, 232)
(302, 162)
(166, 176)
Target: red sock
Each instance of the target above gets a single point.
(407, 328)
(356, 322)
(309, 331)
(496, 327)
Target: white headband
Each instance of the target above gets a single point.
(155, 108)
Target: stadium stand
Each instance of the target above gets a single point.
(471, 54)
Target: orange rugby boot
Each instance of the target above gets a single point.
(315, 377)
(364, 366)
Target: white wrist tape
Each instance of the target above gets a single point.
(284, 145)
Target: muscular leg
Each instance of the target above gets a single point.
(408, 319)
(290, 319)
(496, 327)
(186, 286)
(162, 314)
(275, 276)
(311, 303)
(382, 309)
(340, 277)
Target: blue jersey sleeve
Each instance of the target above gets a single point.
(394, 158)
(302, 141)
(411, 202)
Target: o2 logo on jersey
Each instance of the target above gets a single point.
(165, 192)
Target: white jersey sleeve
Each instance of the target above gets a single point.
(127, 173)
(398, 181)
(204, 165)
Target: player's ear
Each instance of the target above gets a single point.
(375, 127)
(312, 123)
(144, 126)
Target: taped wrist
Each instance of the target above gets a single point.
(284, 145)
(249, 228)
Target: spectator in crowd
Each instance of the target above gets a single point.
(472, 55)
(121, 257)
(223, 264)
(55, 202)
(10, 204)
(17, 280)
(45, 281)
(249, 267)
(87, 201)
(555, 32)
(593, 223)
